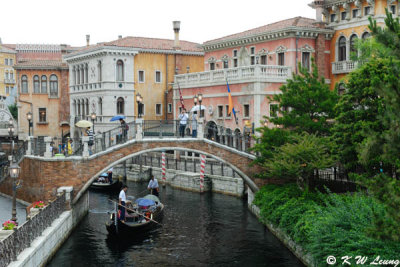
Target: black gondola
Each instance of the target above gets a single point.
(138, 218)
(114, 186)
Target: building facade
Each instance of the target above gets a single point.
(255, 63)
(106, 78)
(7, 72)
(42, 79)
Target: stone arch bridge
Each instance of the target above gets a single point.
(42, 176)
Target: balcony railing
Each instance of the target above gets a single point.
(344, 66)
(12, 81)
(262, 73)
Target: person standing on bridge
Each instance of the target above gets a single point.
(122, 203)
(153, 186)
(183, 118)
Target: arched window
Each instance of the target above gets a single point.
(24, 84)
(36, 84)
(120, 105)
(366, 35)
(75, 108)
(82, 74)
(99, 67)
(87, 107)
(53, 85)
(79, 107)
(100, 106)
(86, 73)
(43, 84)
(353, 43)
(342, 48)
(78, 75)
(120, 70)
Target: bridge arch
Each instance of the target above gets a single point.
(248, 181)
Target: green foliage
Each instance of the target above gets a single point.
(306, 103)
(299, 157)
(14, 110)
(325, 224)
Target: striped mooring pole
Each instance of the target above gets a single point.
(163, 168)
(202, 167)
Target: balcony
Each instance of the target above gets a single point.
(344, 66)
(255, 73)
(9, 81)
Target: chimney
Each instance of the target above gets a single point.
(87, 39)
(318, 5)
(177, 27)
(119, 36)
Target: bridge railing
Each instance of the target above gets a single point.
(22, 236)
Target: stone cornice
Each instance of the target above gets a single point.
(40, 68)
(337, 2)
(292, 31)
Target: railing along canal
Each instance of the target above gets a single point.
(22, 237)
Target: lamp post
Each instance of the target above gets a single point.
(29, 117)
(200, 98)
(139, 101)
(14, 173)
(93, 117)
(11, 133)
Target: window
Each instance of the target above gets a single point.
(212, 66)
(227, 111)
(43, 84)
(220, 111)
(281, 59)
(169, 107)
(42, 114)
(393, 9)
(141, 76)
(53, 85)
(333, 17)
(11, 75)
(6, 61)
(353, 41)
(344, 14)
(120, 105)
(305, 60)
(86, 73)
(158, 109)
(246, 111)
(235, 53)
(273, 110)
(355, 13)
(367, 10)
(6, 75)
(342, 48)
(366, 35)
(11, 62)
(24, 84)
(252, 56)
(100, 74)
(36, 88)
(120, 70)
(141, 109)
(252, 50)
(7, 90)
(158, 76)
(226, 64)
(264, 60)
(235, 62)
(100, 106)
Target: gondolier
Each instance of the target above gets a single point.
(122, 202)
(153, 186)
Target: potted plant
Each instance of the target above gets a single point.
(37, 206)
(9, 225)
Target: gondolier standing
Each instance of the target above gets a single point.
(122, 202)
(153, 186)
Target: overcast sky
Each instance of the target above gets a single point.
(68, 21)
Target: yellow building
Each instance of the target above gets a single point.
(7, 73)
(350, 21)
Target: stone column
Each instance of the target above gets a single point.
(200, 128)
(234, 140)
(29, 140)
(67, 190)
(85, 140)
(243, 142)
(48, 153)
(139, 129)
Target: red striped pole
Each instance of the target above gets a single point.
(163, 167)
(202, 167)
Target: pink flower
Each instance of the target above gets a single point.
(9, 225)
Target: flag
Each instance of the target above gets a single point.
(180, 96)
(231, 109)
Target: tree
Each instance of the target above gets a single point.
(13, 110)
(306, 103)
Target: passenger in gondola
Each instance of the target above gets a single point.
(109, 172)
(122, 202)
(153, 186)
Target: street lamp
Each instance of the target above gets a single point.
(93, 117)
(200, 98)
(139, 101)
(14, 174)
(29, 117)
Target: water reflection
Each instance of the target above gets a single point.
(197, 230)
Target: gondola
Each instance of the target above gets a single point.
(143, 215)
(106, 186)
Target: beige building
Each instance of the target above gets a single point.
(7, 73)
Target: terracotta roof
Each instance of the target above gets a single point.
(5, 49)
(23, 64)
(154, 43)
(293, 22)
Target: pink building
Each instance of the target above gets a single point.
(255, 63)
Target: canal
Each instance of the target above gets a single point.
(198, 230)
